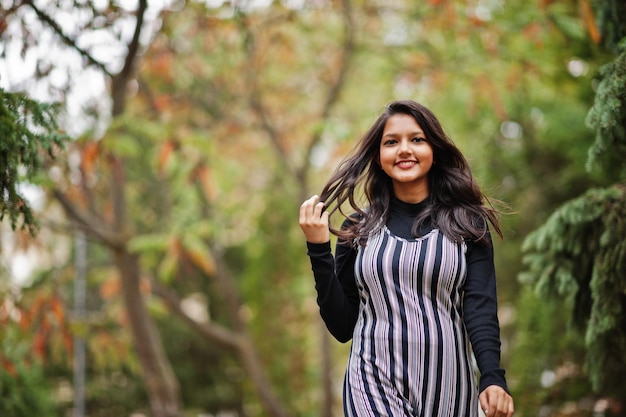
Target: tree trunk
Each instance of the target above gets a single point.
(160, 381)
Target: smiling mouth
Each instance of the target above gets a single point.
(406, 164)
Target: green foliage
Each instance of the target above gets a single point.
(611, 22)
(114, 393)
(200, 166)
(608, 117)
(23, 387)
(580, 254)
(28, 129)
(543, 368)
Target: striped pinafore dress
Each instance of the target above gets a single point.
(410, 353)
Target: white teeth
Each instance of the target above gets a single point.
(406, 163)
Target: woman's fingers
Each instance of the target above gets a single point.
(496, 402)
(307, 209)
(318, 210)
(314, 220)
(311, 210)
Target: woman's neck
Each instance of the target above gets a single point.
(407, 208)
(409, 193)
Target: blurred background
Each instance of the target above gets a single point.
(151, 260)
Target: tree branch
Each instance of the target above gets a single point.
(118, 195)
(211, 331)
(133, 46)
(90, 224)
(65, 38)
(118, 93)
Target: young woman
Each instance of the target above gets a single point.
(412, 282)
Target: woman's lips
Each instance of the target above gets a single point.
(405, 164)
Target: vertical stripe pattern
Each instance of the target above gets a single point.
(410, 353)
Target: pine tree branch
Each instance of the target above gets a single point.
(29, 131)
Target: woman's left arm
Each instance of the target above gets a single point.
(480, 314)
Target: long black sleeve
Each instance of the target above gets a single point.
(480, 314)
(337, 295)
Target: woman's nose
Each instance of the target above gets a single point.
(404, 147)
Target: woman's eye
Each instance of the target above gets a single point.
(390, 142)
(418, 139)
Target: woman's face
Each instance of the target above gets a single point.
(406, 157)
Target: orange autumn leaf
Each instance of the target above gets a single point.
(110, 288)
(174, 245)
(544, 4)
(487, 90)
(476, 21)
(418, 60)
(25, 320)
(203, 260)
(45, 325)
(532, 32)
(590, 21)
(206, 182)
(164, 154)
(162, 64)
(90, 154)
(513, 79)
(28, 316)
(57, 309)
(68, 340)
(162, 102)
(39, 344)
(8, 366)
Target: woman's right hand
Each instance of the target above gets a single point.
(314, 220)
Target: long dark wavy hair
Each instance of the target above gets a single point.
(457, 206)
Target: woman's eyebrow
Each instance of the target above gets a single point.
(394, 134)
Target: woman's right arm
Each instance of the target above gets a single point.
(337, 294)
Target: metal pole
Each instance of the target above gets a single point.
(80, 290)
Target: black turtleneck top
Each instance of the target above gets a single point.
(338, 297)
